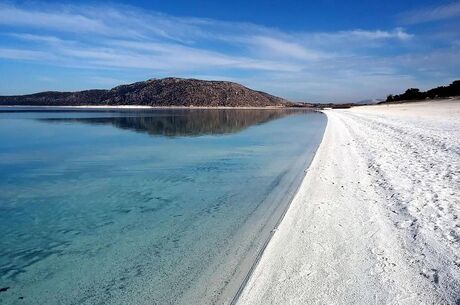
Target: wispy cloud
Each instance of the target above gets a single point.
(62, 21)
(167, 43)
(23, 54)
(436, 13)
(397, 33)
(281, 48)
(136, 54)
(360, 35)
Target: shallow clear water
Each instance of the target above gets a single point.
(149, 207)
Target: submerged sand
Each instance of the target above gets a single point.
(376, 218)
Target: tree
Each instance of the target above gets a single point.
(390, 98)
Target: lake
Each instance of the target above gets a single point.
(143, 207)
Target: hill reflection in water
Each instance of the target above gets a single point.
(195, 122)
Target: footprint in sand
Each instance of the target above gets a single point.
(406, 224)
(431, 274)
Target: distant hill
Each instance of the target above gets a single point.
(438, 92)
(157, 92)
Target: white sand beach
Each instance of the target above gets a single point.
(376, 218)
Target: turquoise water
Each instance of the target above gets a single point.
(147, 207)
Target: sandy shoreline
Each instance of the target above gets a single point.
(376, 218)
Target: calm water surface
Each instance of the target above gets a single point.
(149, 207)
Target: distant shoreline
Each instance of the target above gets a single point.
(129, 107)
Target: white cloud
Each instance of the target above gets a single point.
(437, 13)
(278, 47)
(61, 20)
(23, 54)
(160, 56)
(357, 38)
(397, 33)
(40, 38)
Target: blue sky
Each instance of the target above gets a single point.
(302, 50)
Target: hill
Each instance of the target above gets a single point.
(157, 92)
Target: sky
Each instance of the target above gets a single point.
(315, 51)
